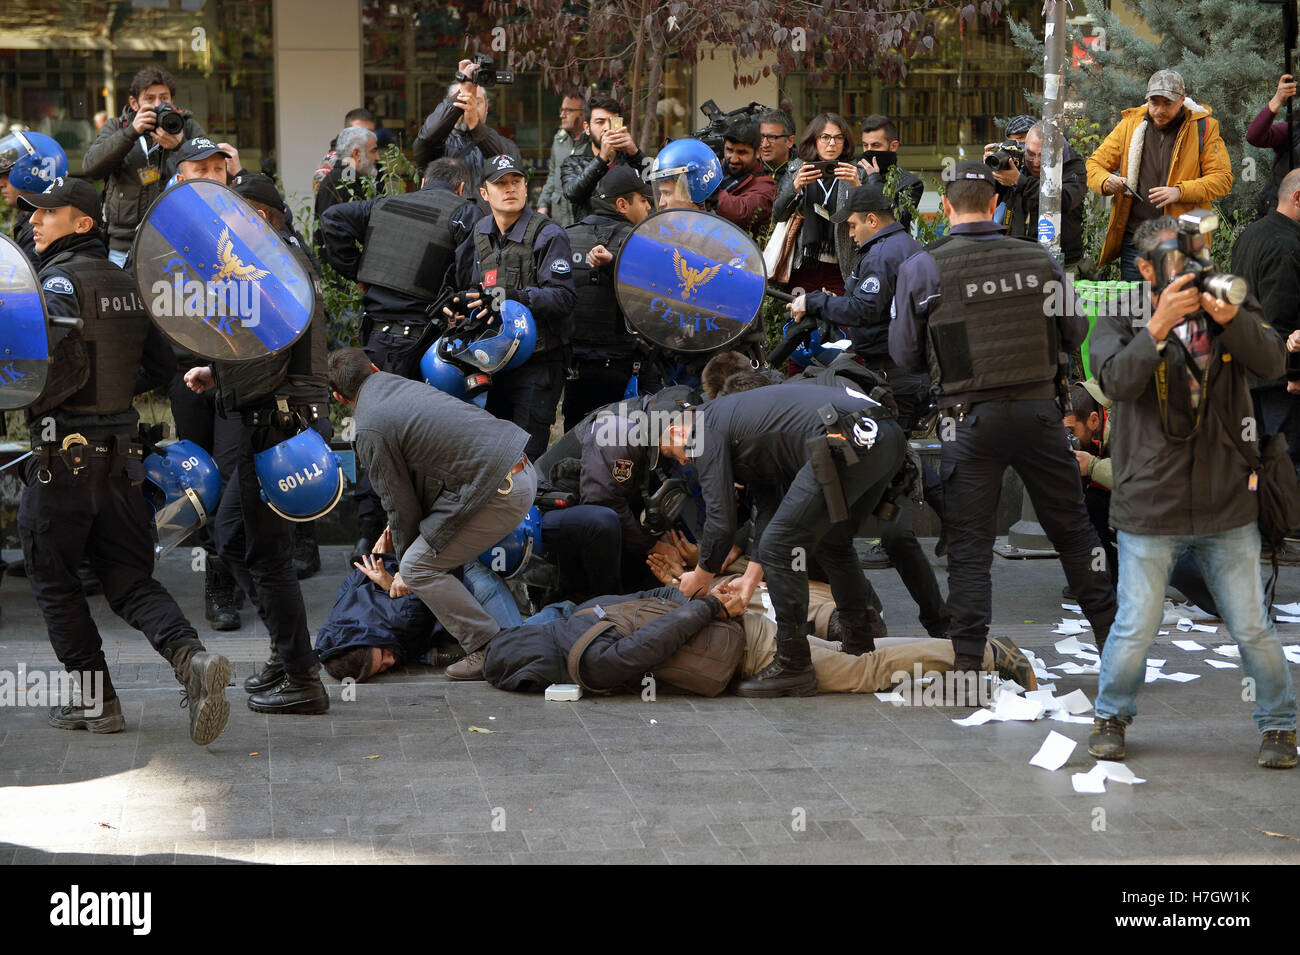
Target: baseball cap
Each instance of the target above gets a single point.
(502, 165)
(66, 191)
(974, 169)
(1166, 83)
(619, 181)
(867, 198)
(258, 188)
(199, 148)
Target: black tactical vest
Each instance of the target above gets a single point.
(993, 328)
(596, 315)
(113, 332)
(298, 372)
(515, 268)
(409, 242)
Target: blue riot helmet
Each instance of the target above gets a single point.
(510, 554)
(491, 343)
(186, 488)
(301, 478)
(693, 166)
(449, 378)
(32, 160)
(814, 349)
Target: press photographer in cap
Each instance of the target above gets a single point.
(135, 154)
(83, 497)
(458, 126)
(986, 315)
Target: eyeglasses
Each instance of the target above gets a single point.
(765, 137)
(828, 138)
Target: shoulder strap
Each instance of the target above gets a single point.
(579, 648)
(482, 246)
(1201, 126)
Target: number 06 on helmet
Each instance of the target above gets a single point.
(301, 478)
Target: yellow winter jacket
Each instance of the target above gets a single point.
(1202, 172)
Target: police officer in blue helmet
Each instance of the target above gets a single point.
(685, 175)
(275, 400)
(29, 162)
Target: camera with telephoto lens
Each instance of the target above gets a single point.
(170, 119)
(1075, 443)
(486, 74)
(1000, 159)
(713, 135)
(1189, 253)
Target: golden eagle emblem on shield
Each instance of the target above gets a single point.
(231, 267)
(691, 278)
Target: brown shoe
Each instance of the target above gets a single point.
(470, 668)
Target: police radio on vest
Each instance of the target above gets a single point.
(1015, 282)
(300, 477)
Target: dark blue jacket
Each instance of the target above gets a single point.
(531, 657)
(868, 298)
(365, 616)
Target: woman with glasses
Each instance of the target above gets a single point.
(818, 183)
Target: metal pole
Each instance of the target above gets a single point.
(1049, 192)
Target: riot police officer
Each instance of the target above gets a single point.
(814, 460)
(407, 243)
(83, 496)
(518, 253)
(28, 163)
(604, 351)
(269, 396)
(986, 314)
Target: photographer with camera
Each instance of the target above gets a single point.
(1018, 168)
(608, 144)
(135, 154)
(746, 195)
(1267, 255)
(1181, 386)
(1164, 158)
(976, 309)
(458, 127)
(879, 153)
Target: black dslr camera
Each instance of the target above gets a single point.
(1189, 252)
(1000, 159)
(487, 74)
(712, 135)
(170, 119)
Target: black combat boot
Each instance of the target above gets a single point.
(270, 674)
(306, 552)
(219, 589)
(856, 636)
(204, 677)
(102, 715)
(304, 694)
(789, 674)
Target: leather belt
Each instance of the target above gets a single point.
(508, 484)
(75, 452)
(268, 416)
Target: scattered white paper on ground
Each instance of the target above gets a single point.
(1284, 619)
(1073, 608)
(1184, 624)
(894, 697)
(1221, 665)
(1008, 706)
(1054, 753)
(1070, 668)
(1153, 674)
(1188, 645)
(1076, 702)
(1152, 662)
(978, 718)
(1287, 608)
(1292, 653)
(1070, 627)
(1229, 650)
(1180, 677)
(1063, 717)
(1162, 633)
(1089, 782)
(1117, 772)
(1205, 628)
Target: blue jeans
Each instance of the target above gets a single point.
(1230, 563)
(493, 594)
(551, 612)
(1128, 269)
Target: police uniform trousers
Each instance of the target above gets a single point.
(585, 542)
(1029, 437)
(602, 379)
(802, 528)
(101, 515)
(529, 396)
(256, 545)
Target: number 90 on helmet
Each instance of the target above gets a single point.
(185, 493)
(686, 172)
(301, 478)
(511, 554)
